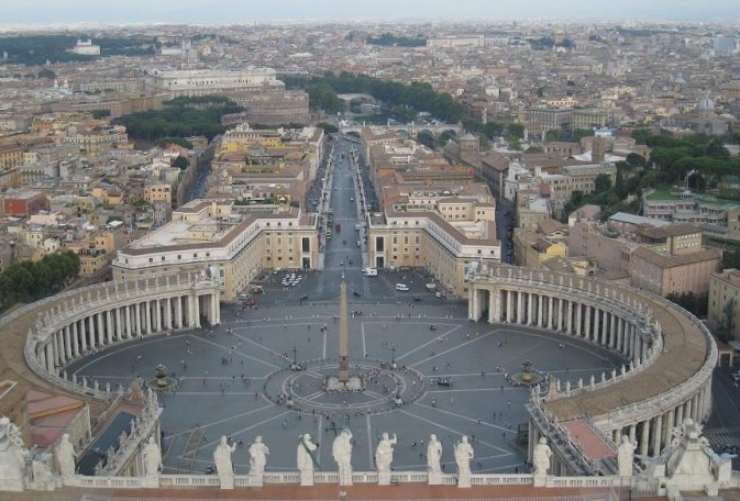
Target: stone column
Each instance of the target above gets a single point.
(679, 415)
(101, 329)
(147, 317)
(168, 314)
(178, 312)
(75, 339)
(551, 314)
(597, 326)
(541, 312)
(520, 307)
(657, 435)
(49, 357)
(579, 319)
(644, 445)
(158, 303)
(109, 327)
(129, 327)
(471, 305)
(119, 327)
(569, 321)
(137, 322)
(690, 408)
(83, 335)
(587, 332)
(92, 331)
(509, 306)
(530, 309)
(668, 426)
(633, 433)
(562, 325)
(68, 341)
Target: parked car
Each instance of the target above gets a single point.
(402, 287)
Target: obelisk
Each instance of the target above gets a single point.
(343, 334)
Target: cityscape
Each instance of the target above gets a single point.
(364, 252)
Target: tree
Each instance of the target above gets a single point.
(602, 183)
(635, 160)
(47, 73)
(426, 137)
(180, 162)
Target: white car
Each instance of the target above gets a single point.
(431, 286)
(371, 272)
(402, 287)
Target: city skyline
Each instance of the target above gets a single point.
(244, 11)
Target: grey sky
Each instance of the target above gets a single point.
(227, 11)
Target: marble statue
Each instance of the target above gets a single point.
(541, 460)
(65, 456)
(258, 453)
(464, 453)
(626, 456)
(305, 458)
(152, 459)
(222, 460)
(384, 458)
(434, 460)
(12, 457)
(42, 476)
(341, 450)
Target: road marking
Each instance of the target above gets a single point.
(243, 355)
(250, 427)
(460, 390)
(453, 349)
(221, 421)
(364, 343)
(422, 346)
(466, 418)
(504, 452)
(132, 346)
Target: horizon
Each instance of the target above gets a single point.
(235, 12)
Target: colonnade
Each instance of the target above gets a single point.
(99, 327)
(598, 323)
(619, 320)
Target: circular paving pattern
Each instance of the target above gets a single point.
(385, 388)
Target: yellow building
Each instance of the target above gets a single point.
(158, 192)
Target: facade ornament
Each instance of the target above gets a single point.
(13, 456)
(222, 460)
(434, 460)
(65, 457)
(341, 450)
(258, 453)
(626, 456)
(305, 458)
(541, 461)
(152, 462)
(384, 458)
(42, 476)
(464, 453)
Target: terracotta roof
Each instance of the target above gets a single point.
(671, 230)
(664, 261)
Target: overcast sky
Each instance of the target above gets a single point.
(237, 11)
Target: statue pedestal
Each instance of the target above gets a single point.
(435, 478)
(256, 480)
(540, 480)
(306, 478)
(151, 482)
(464, 481)
(227, 482)
(384, 478)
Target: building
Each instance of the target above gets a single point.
(24, 203)
(454, 42)
(667, 274)
(724, 302)
(688, 207)
(203, 82)
(572, 178)
(85, 48)
(158, 192)
(235, 243)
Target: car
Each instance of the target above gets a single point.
(371, 272)
(402, 287)
(356, 294)
(431, 286)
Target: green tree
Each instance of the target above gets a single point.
(180, 162)
(602, 183)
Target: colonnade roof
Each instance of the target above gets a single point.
(685, 349)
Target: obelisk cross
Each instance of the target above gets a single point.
(343, 334)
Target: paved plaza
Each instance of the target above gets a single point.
(427, 369)
(222, 380)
